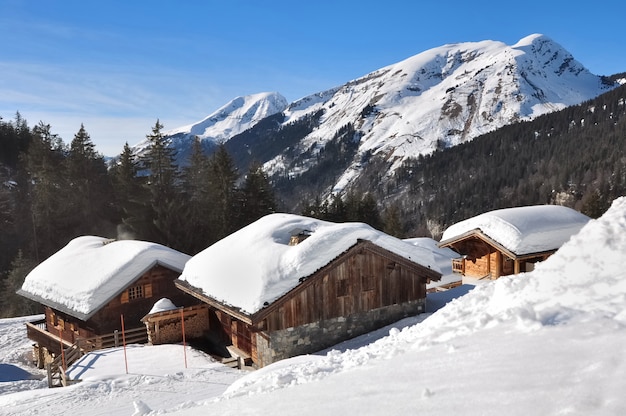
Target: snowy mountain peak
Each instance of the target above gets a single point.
(236, 116)
(443, 97)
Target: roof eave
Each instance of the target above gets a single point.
(200, 295)
(55, 305)
(478, 233)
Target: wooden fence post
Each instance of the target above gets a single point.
(124, 342)
(182, 322)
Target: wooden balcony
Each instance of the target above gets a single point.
(37, 331)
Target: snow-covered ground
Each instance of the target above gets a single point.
(550, 342)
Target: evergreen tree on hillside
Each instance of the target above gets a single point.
(130, 196)
(8, 230)
(12, 304)
(198, 199)
(14, 139)
(393, 222)
(47, 182)
(223, 179)
(89, 189)
(257, 195)
(167, 208)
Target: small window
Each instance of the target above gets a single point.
(343, 287)
(135, 292)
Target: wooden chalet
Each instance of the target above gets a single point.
(310, 290)
(88, 286)
(509, 241)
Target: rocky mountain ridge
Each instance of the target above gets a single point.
(439, 98)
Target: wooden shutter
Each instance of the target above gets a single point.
(124, 297)
(147, 290)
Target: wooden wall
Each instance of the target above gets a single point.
(155, 284)
(361, 281)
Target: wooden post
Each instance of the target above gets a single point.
(49, 370)
(124, 342)
(182, 323)
(62, 350)
(116, 338)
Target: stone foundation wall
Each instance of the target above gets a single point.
(313, 337)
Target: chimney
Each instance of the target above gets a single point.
(299, 236)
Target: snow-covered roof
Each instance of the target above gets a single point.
(522, 230)
(443, 257)
(90, 271)
(256, 264)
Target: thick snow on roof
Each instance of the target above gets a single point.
(89, 271)
(256, 265)
(524, 230)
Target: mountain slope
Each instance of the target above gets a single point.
(229, 120)
(446, 96)
(436, 99)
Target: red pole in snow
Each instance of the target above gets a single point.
(124, 342)
(182, 323)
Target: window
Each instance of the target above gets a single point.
(135, 292)
(343, 287)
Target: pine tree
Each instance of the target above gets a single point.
(130, 196)
(12, 304)
(223, 179)
(198, 200)
(392, 221)
(257, 196)
(89, 189)
(8, 230)
(160, 161)
(46, 183)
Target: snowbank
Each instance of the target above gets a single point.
(583, 285)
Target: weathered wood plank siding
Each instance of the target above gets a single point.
(155, 284)
(365, 280)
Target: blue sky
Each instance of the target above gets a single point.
(117, 66)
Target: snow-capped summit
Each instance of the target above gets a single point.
(441, 97)
(238, 115)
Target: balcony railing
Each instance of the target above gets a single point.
(38, 332)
